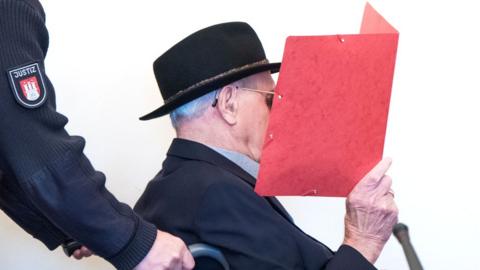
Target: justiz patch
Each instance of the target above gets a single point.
(28, 86)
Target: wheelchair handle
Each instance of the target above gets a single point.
(204, 250)
(70, 246)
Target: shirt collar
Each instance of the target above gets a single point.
(243, 161)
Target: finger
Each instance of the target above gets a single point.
(77, 254)
(178, 266)
(379, 170)
(86, 252)
(188, 261)
(384, 185)
(176, 261)
(393, 210)
(390, 205)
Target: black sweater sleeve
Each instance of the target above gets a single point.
(49, 186)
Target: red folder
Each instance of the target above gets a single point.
(328, 121)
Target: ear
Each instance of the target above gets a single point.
(227, 104)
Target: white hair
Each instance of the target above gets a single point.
(197, 107)
(192, 109)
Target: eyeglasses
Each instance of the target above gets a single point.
(268, 96)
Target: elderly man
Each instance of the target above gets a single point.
(218, 89)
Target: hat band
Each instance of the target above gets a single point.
(216, 77)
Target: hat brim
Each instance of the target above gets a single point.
(213, 85)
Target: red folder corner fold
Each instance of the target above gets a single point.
(328, 121)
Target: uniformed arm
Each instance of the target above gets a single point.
(49, 184)
(252, 236)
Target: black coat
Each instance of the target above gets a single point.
(202, 196)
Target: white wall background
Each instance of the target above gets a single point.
(100, 60)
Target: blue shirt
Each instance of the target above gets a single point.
(243, 161)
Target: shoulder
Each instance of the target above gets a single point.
(198, 176)
(23, 34)
(188, 182)
(30, 6)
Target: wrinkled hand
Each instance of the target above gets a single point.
(168, 253)
(82, 252)
(371, 212)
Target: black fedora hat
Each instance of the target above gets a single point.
(207, 60)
